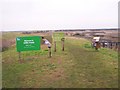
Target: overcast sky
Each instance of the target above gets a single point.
(58, 14)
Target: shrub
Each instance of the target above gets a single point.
(87, 45)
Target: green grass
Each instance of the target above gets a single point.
(98, 69)
(79, 66)
(9, 35)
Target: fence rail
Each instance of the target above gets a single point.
(111, 45)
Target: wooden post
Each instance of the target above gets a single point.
(62, 45)
(111, 45)
(103, 44)
(50, 52)
(54, 46)
(19, 56)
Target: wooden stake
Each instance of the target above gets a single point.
(50, 52)
(62, 45)
(19, 56)
(111, 45)
(54, 46)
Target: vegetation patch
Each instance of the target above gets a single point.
(79, 66)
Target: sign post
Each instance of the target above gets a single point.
(54, 46)
(27, 43)
(62, 44)
(57, 37)
(19, 56)
(50, 52)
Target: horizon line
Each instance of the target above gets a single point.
(61, 29)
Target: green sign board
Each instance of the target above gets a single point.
(28, 43)
(57, 36)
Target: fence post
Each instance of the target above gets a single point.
(103, 44)
(62, 44)
(50, 52)
(54, 46)
(111, 45)
(19, 56)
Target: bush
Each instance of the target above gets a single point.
(4, 49)
(87, 45)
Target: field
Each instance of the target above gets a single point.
(79, 66)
